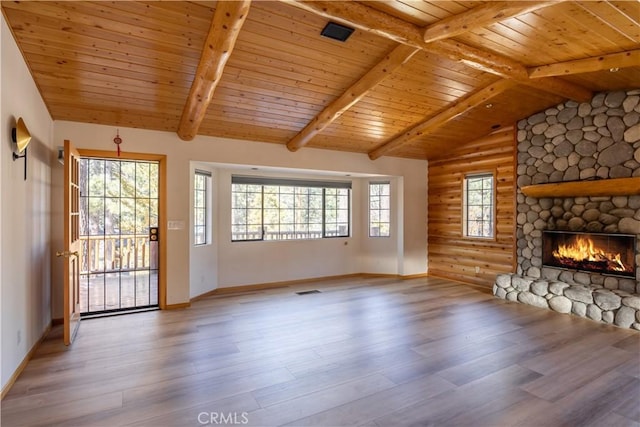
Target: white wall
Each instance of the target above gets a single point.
(193, 267)
(25, 249)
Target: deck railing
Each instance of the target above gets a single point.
(283, 235)
(117, 252)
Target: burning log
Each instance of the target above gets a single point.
(583, 254)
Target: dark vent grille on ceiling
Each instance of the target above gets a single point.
(336, 31)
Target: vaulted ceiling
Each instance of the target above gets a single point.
(415, 79)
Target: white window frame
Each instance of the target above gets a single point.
(202, 221)
(378, 223)
(335, 220)
(482, 207)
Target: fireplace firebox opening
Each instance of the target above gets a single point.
(612, 254)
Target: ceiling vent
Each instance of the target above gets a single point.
(336, 31)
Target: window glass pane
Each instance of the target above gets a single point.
(84, 216)
(286, 216)
(474, 213)
(96, 216)
(302, 228)
(286, 201)
(112, 179)
(475, 183)
(254, 217)
(201, 212)
(198, 182)
(199, 237)
(487, 228)
(153, 207)
(128, 177)
(198, 199)
(239, 216)
(153, 179)
(271, 216)
(127, 215)
(112, 215)
(142, 179)
(487, 213)
(315, 220)
(385, 203)
(83, 178)
(96, 177)
(478, 206)
(343, 202)
(254, 232)
(286, 190)
(254, 200)
(142, 216)
(283, 212)
(239, 200)
(379, 209)
(486, 197)
(475, 228)
(200, 217)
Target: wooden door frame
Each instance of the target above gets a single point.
(162, 207)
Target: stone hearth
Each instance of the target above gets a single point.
(570, 142)
(596, 303)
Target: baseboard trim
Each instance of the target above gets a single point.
(25, 361)
(379, 275)
(284, 284)
(270, 285)
(414, 276)
(57, 322)
(395, 276)
(177, 306)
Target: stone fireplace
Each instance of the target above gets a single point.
(594, 141)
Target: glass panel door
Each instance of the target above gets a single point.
(119, 213)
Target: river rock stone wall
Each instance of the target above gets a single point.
(617, 307)
(578, 141)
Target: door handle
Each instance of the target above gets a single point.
(67, 254)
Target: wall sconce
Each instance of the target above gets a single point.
(61, 154)
(21, 137)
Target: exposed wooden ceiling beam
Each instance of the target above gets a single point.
(447, 114)
(227, 21)
(368, 19)
(508, 69)
(630, 58)
(395, 59)
(481, 16)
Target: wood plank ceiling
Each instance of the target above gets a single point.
(415, 79)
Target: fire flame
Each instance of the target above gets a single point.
(583, 249)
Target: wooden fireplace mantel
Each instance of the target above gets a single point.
(603, 187)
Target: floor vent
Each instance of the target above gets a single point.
(315, 291)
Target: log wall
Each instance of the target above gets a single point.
(451, 254)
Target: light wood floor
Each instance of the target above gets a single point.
(371, 352)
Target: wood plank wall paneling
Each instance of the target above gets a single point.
(451, 255)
